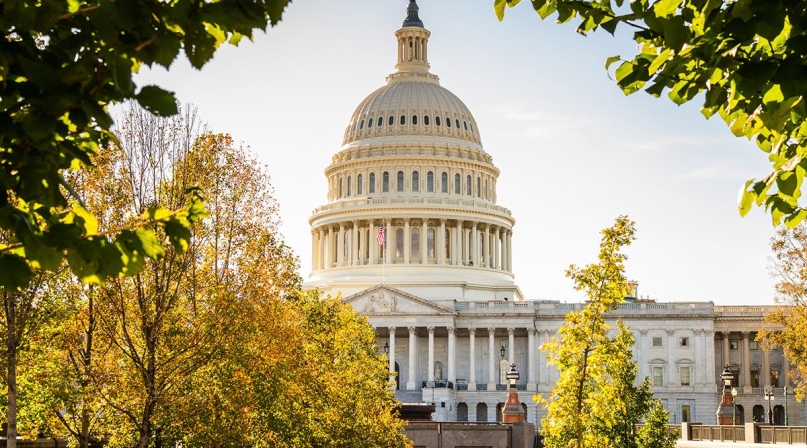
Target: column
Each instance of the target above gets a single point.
(530, 359)
(452, 356)
(642, 356)
(441, 254)
(373, 245)
(389, 242)
(725, 349)
(511, 352)
(474, 246)
(671, 367)
(411, 384)
(491, 357)
(459, 259)
(486, 249)
(746, 363)
(340, 245)
(392, 356)
(363, 247)
(430, 367)
(708, 353)
(329, 249)
(472, 359)
(504, 250)
(766, 367)
(510, 250)
(424, 252)
(313, 250)
(699, 368)
(497, 259)
(354, 245)
(407, 241)
(322, 245)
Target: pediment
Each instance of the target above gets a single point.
(385, 300)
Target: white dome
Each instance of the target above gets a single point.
(412, 104)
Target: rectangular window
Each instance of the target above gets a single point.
(657, 341)
(753, 345)
(686, 413)
(734, 345)
(774, 378)
(684, 373)
(755, 378)
(735, 378)
(683, 341)
(658, 376)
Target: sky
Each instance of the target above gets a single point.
(573, 150)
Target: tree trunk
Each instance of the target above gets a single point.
(11, 359)
(151, 396)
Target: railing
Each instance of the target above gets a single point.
(721, 433)
(787, 435)
(363, 202)
(437, 384)
(751, 311)
(498, 304)
(671, 429)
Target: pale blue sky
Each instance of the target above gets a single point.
(573, 151)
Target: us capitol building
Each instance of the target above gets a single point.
(440, 291)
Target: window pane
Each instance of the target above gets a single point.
(385, 186)
(658, 376)
(415, 243)
(415, 181)
(349, 184)
(400, 181)
(426, 120)
(430, 182)
(361, 125)
(391, 120)
(414, 119)
(359, 189)
(444, 182)
(448, 122)
(457, 123)
(340, 188)
(684, 371)
(656, 341)
(457, 184)
(371, 189)
(478, 187)
(468, 185)
(403, 119)
(437, 121)
(380, 121)
(369, 123)
(430, 243)
(399, 242)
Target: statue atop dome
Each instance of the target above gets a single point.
(412, 18)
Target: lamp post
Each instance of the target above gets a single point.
(386, 348)
(512, 412)
(503, 350)
(723, 416)
(734, 402)
(769, 398)
(786, 419)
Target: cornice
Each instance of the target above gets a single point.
(380, 162)
(397, 209)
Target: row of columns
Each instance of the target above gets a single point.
(451, 375)
(463, 248)
(765, 377)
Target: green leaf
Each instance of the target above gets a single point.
(773, 95)
(158, 101)
(662, 58)
(787, 183)
(610, 61)
(747, 197)
(664, 8)
(498, 6)
(15, 274)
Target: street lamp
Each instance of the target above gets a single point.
(503, 350)
(734, 402)
(786, 419)
(386, 348)
(769, 398)
(723, 409)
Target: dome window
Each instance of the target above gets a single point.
(385, 182)
(371, 187)
(369, 123)
(415, 242)
(457, 122)
(437, 121)
(415, 181)
(380, 122)
(444, 182)
(478, 187)
(359, 186)
(468, 191)
(340, 188)
(448, 122)
(426, 120)
(361, 125)
(349, 184)
(399, 242)
(430, 182)
(400, 181)
(403, 120)
(457, 183)
(465, 125)
(430, 243)
(391, 121)
(414, 119)
(472, 127)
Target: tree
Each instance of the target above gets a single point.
(788, 263)
(61, 65)
(596, 401)
(745, 56)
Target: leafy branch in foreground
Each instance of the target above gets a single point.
(743, 58)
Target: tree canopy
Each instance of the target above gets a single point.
(62, 63)
(744, 59)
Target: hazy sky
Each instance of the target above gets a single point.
(573, 151)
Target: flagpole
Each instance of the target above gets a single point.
(384, 256)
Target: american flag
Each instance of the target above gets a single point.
(380, 238)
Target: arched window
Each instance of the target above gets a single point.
(399, 242)
(426, 120)
(380, 121)
(457, 183)
(462, 412)
(504, 367)
(465, 124)
(349, 184)
(403, 119)
(369, 123)
(391, 121)
(415, 181)
(385, 182)
(361, 125)
(481, 412)
(340, 188)
(414, 119)
(468, 185)
(478, 186)
(444, 182)
(415, 242)
(448, 122)
(430, 243)
(371, 187)
(472, 127)
(457, 122)
(400, 181)
(437, 121)
(359, 186)
(430, 182)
